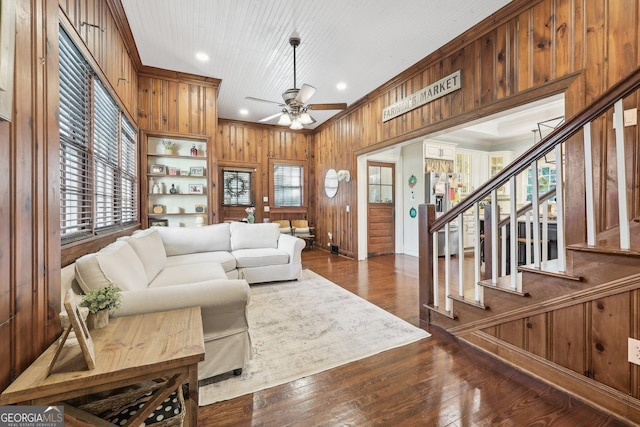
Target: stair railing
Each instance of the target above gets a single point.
(506, 181)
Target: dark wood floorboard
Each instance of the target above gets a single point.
(434, 382)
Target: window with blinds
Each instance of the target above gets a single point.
(287, 185)
(98, 162)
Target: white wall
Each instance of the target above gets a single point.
(412, 164)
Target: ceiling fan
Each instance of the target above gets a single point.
(295, 109)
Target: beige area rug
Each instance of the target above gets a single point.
(304, 327)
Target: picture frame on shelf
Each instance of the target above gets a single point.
(196, 189)
(184, 172)
(196, 171)
(200, 208)
(158, 222)
(158, 209)
(159, 169)
(173, 171)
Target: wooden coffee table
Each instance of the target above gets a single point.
(130, 350)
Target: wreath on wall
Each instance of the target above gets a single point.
(236, 185)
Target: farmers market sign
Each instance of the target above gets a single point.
(430, 93)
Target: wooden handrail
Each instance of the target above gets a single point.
(523, 210)
(572, 126)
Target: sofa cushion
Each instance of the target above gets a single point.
(188, 273)
(260, 257)
(149, 247)
(254, 236)
(225, 259)
(188, 240)
(117, 264)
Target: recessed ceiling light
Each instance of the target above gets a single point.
(201, 56)
(244, 111)
(341, 86)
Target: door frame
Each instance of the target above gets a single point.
(391, 155)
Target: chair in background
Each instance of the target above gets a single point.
(285, 225)
(302, 230)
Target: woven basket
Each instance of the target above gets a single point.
(111, 407)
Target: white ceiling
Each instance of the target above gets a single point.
(363, 43)
(509, 127)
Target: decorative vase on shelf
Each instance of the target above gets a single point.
(98, 320)
(194, 150)
(251, 218)
(173, 189)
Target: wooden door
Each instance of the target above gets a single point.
(381, 208)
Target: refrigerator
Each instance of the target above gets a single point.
(443, 190)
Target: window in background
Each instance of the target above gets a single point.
(288, 185)
(237, 188)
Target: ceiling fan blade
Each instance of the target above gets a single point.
(305, 93)
(251, 98)
(271, 117)
(335, 106)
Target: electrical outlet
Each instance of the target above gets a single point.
(634, 351)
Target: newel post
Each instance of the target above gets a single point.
(426, 217)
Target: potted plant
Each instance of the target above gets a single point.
(168, 146)
(250, 214)
(99, 302)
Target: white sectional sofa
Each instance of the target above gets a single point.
(163, 268)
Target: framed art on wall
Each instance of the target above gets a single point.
(196, 171)
(196, 189)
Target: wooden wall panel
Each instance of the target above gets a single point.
(96, 27)
(249, 145)
(568, 347)
(610, 320)
(537, 336)
(29, 235)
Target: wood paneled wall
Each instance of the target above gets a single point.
(515, 53)
(95, 25)
(248, 145)
(29, 206)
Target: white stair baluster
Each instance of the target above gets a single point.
(494, 237)
(623, 213)
(447, 268)
(460, 256)
(535, 205)
(436, 293)
(562, 256)
(545, 230)
(477, 261)
(513, 234)
(588, 183)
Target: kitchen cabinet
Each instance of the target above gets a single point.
(498, 160)
(473, 166)
(439, 150)
(175, 191)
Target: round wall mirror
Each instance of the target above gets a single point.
(331, 183)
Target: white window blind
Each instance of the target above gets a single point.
(287, 185)
(75, 124)
(98, 161)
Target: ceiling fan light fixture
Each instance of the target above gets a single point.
(285, 120)
(296, 125)
(305, 118)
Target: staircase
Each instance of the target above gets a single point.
(563, 312)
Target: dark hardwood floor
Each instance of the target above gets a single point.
(435, 382)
